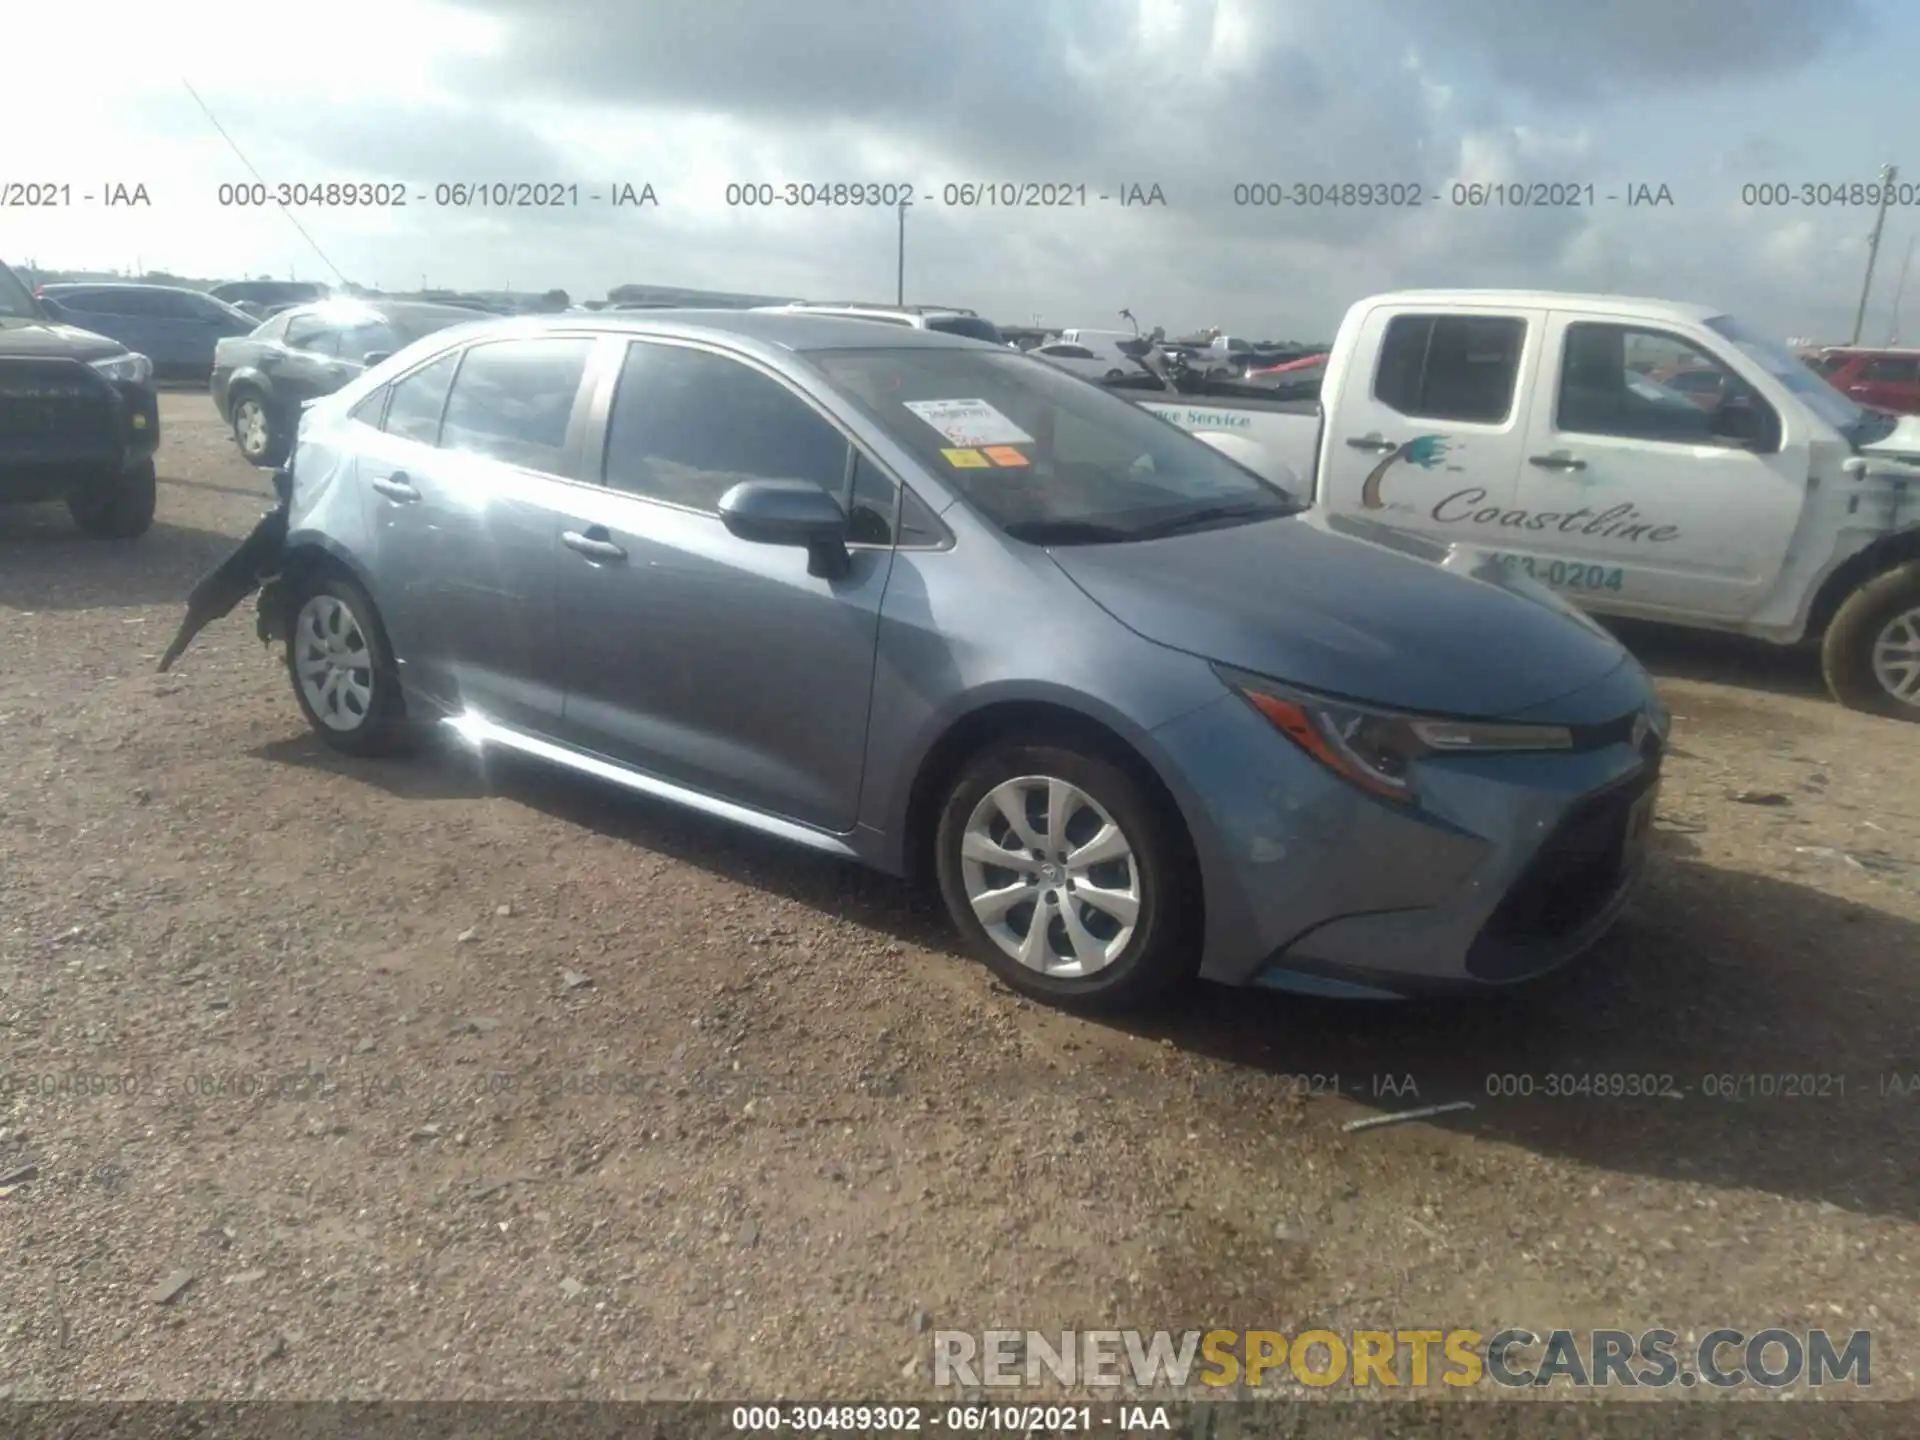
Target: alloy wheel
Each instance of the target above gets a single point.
(1051, 876)
(333, 663)
(1896, 657)
(250, 424)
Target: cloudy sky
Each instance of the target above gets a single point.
(1704, 97)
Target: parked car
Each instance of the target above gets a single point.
(1883, 379)
(261, 298)
(1784, 513)
(1107, 363)
(173, 327)
(926, 604)
(260, 380)
(79, 419)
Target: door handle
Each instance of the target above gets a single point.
(397, 488)
(1556, 462)
(1377, 444)
(592, 546)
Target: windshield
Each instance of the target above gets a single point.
(971, 326)
(16, 301)
(1043, 455)
(1781, 363)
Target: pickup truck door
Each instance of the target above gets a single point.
(1633, 498)
(1427, 417)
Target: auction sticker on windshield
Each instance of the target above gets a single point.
(1006, 455)
(969, 422)
(966, 459)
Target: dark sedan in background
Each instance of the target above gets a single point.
(262, 298)
(175, 328)
(261, 380)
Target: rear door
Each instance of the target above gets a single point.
(711, 662)
(1636, 499)
(306, 364)
(474, 451)
(123, 313)
(1427, 422)
(1888, 382)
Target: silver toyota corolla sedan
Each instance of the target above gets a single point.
(934, 606)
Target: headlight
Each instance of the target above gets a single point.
(133, 368)
(1375, 749)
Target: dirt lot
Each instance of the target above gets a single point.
(450, 1081)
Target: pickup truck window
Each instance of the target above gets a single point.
(1450, 367)
(1892, 369)
(1681, 399)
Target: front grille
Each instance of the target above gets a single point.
(1575, 873)
(53, 402)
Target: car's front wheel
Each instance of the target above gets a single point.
(254, 430)
(1871, 652)
(1067, 879)
(121, 509)
(343, 673)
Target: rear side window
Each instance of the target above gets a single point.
(689, 425)
(307, 332)
(419, 399)
(1892, 369)
(513, 400)
(1451, 367)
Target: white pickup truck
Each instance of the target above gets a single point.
(1536, 425)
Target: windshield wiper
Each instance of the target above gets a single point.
(1216, 515)
(1066, 532)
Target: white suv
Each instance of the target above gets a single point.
(950, 320)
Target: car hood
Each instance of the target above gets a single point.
(1389, 618)
(36, 339)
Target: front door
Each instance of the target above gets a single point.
(703, 659)
(1430, 440)
(1634, 498)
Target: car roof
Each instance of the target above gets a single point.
(793, 330)
(1902, 351)
(397, 309)
(70, 286)
(1638, 307)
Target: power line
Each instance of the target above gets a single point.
(292, 219)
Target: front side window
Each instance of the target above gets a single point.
(419, 400)
(1602, 394)
(513, 401)
(308, 332)
(1451, 367)
(688, 425)
(1891, 370)
(1041, 454)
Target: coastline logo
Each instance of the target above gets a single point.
(1513, 1358)
(1426, 451)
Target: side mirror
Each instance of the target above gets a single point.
(373, 358)
(790, 512)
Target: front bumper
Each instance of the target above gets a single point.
(62, 423)
(1511, 866)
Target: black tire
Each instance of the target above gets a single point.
(1163, 953)
(376, 726)
(1846, 651)
(270, 446)
(122, 509)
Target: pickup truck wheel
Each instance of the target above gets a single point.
(254, 430)
(342, 670)
(1062, 875)
(1871, 651)
(120, 510)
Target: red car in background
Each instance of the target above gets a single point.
(1704, 386)
(1882, 379)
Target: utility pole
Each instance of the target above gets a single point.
(900, 264)
(1893, 320)
(1887, 174)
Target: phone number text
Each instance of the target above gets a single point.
(1611, 1086)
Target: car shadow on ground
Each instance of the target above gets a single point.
(1774, 1013)
(1670, 652)
(46, 564)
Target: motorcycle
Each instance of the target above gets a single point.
(254, 565)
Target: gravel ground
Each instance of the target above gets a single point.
(441, 1081)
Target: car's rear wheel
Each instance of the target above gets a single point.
(254, 430)
(120, 509)
(1066, 878)
(1871, 652)
(343, 673)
